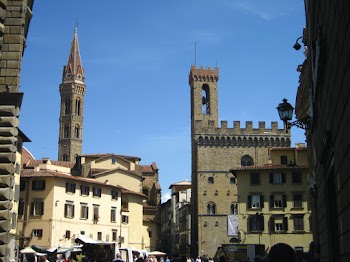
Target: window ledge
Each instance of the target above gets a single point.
(298, 232)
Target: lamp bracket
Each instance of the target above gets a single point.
(303, 123)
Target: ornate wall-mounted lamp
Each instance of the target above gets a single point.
(285, 111)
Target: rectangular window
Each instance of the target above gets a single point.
(278, 201)
(84, 211)
(84, 190)
(296, 178)
(70, 187)
(149, 233)
(96, 213)
(256, 223)
(284, 160)
(69, 210)
(255, 201)
(297, 200)
(125, 219)
(210, 180)
(279, 224)
(255, 179)
(99, 235)
(113, 214)
(114, 194)
(277, 178)
(23, 185)
(38, 185)
(68, 234)
(20, 207)
(37, 232)
(96, 192)
(37, 208)
(298, 222)
(114, 235)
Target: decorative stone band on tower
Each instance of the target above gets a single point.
(203, 75)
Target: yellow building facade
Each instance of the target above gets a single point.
(273, 201)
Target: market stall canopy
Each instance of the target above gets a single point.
(27, 250)
(156, 253)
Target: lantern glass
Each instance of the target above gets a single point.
(285, 110)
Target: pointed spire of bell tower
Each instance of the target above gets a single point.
(72, 91)
(74, 68)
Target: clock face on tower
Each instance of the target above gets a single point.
(79, 76)
(68, 76)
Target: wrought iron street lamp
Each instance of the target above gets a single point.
(285, 111)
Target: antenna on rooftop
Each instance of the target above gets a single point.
(195, 53)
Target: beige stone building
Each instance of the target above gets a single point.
(215, 150)
(106, 204)
(273, 201)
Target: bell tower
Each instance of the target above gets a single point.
(204, 94)
(72, 90)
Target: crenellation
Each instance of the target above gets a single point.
(223, 124)
(208, 127)
(249, 125)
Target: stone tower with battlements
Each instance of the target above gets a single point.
(72, 90)
(216, 149)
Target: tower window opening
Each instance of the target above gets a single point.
(66, 131)
(77, 107)
(65, 157)
(247, 160)
(205, 99)
(77, 131)
(67, 106)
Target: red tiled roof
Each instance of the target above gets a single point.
(26, 156)
(97, 155)
(149, 168)
(33, 163)
(268, 167)
(97, 171)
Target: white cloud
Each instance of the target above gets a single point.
(166, 197)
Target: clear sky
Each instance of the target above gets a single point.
(137, 56)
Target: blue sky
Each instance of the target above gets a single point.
(137, 56)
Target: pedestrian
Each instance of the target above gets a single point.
(118, 258)
(282, 252)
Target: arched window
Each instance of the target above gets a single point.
(211, 208)
(234, 209)
(67, 106)
(77, 106)
(66, 131)
(77, 131)
(247, 160)
(205, 99)
(65, 157)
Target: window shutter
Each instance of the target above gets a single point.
(67, 234)
(285, 223)
(67, 185)
(249, 201)
(32, 209)
(40, 233)
(271, 178)
(272, 225)
(249, 224)
(42, 208)
(272, 199)
(284, 197)
(283, 177)
(33, 185)
(73, 207)
(261, 201)
(73, 188)
(44, 184)
(262, 224)
(65, 210)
